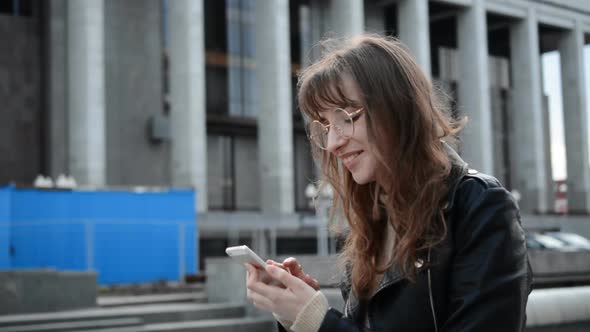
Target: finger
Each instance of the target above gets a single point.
(297, 271)
(293, 265)
(260, 301)
(312, 282)
(277, 264)
(264, 277)
(266, 289)
(291, 262)
(252, 275)
(284, 277)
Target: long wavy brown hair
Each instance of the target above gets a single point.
(405, 123)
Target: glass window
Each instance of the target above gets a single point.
(241, 45)
(247, 178)
(16, 7)
(232, 173)
(219, 172)
(216, 89)
(230, 58)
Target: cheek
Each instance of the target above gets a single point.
(369, 165)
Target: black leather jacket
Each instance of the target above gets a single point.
(477, 279)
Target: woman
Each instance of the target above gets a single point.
(431, 244)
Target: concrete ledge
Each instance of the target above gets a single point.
(75, 290)
(27, 291)
(76, 326)
(554, 268)
(547, 262)
(558, 306)
(118, 301)
(246, 324)
(150, 314)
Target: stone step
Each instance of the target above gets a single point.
(117, 329)
(245, 324)
(118, 301)
(150, 289)
(86, 325)
(150, 314)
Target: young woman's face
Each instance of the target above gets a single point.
(355, 153)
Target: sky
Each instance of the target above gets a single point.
(552, 88)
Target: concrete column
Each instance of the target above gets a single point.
(56, 80)
(529, 171)
(414, 30)
(575, 108)
(549, 193)
(347, 17)
(306, 33)
(474, 87)
(319, 22)
(187, 97)
(234, 54)
(86, 98)
(374, 17)
(275, 128)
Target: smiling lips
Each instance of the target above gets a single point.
(348, 158)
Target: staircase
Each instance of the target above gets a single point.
(169, 312)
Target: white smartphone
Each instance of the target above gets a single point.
(245, 255)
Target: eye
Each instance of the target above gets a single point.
(355, 117)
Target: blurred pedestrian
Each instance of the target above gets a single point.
(430, 244)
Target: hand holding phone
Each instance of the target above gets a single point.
(243, 254)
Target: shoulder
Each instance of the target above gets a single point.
(482, 204)
(476, 188)
(478, 181)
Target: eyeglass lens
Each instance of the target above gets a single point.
(341, 122)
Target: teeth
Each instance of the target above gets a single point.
(350, 158)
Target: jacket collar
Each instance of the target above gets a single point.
(458, 169)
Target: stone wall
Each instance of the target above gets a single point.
(27, 291)
(20, 112)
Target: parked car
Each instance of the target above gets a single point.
(571, 240)
(545, 242)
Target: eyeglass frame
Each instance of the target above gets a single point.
(327, 127)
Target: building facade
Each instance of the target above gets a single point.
(200, 93)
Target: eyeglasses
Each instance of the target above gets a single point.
(342, 122)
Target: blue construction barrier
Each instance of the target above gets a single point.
(127, 237)
(5, 261)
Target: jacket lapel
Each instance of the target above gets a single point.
(353, 308)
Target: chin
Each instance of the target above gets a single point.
(361, 179)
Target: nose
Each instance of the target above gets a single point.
(335, 141)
